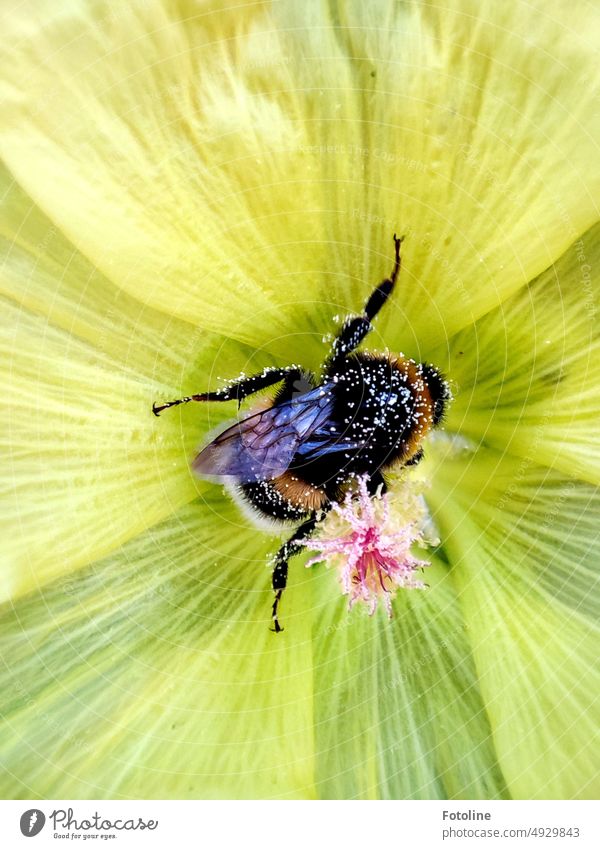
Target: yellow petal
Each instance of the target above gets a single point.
(46, 275)
(87, 465)
(153, 673)
(524, 549)
(527, 375)
(478, 141)
(236, 162)
(155, 156)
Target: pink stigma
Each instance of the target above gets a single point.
(372, 553)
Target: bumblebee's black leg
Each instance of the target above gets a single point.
(415, 459)
(376, 484)
(241, 388)
(355, 328)
(385, 289)
(287, 550)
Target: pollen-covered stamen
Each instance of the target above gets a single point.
(370, 540)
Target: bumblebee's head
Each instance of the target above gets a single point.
(439, 391)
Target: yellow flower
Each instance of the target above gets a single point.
(195, 189)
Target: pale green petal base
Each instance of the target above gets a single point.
(525, 548)
(398, 711)
(154, 674)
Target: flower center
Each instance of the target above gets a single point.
(369, 539)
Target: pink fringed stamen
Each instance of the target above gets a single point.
(374, 558)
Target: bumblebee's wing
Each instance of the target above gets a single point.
(263, 445)
(320, 446)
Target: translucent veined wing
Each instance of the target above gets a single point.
(326, 445)
(263, 445)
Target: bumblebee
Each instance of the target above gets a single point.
(291, 461)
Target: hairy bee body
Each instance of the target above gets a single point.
(381, 408)
(291, 460)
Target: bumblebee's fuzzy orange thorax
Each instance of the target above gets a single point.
(422, 400)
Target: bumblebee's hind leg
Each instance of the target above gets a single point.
(280, 570)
